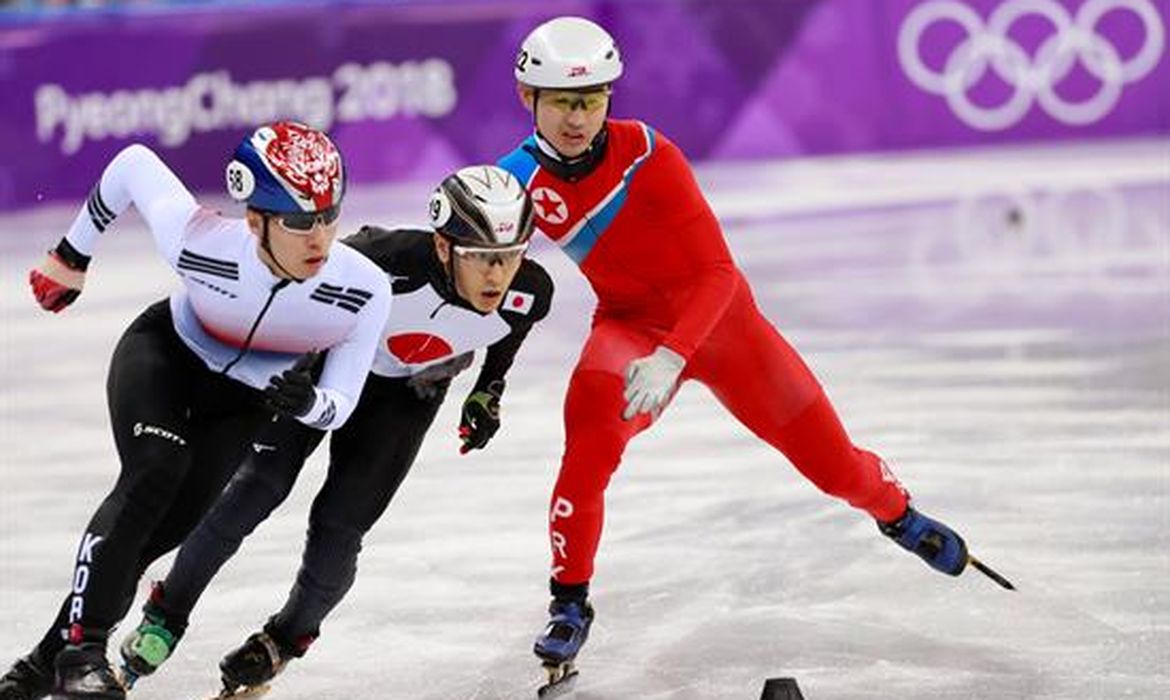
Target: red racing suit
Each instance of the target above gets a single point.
(645, 238)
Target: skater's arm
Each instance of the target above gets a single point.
(707, 275)
(347, 364)
(527, 302)
(710, 280)
(135, 176)
(390, 249)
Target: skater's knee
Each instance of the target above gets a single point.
(268, 487)
(331, 534)
(593, 453)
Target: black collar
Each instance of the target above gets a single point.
(569, 169)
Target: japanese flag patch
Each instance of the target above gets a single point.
(518, 302)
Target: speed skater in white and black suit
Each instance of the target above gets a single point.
(463, 286)
(193, 379)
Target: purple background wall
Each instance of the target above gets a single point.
(414, 89)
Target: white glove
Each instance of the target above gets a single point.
(650, 381)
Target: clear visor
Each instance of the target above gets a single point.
(485, 257)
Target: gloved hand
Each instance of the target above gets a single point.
(55, 283)
(481, 417)
(291, 393)
(430, 384)
(650, 380)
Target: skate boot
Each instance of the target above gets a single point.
(561, 641)
(247, 670)
(152, 642)
(937, 545)
(30, 678)
(84, 673)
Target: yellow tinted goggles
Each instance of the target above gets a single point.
(566, 101)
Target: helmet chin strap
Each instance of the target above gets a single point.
(272, 254)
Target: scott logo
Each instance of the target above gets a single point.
(141, 429)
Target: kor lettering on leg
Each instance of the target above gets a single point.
(85, 555)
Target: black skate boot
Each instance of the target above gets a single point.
(937, 545)
(153, 641)
(560, 642)
(30, 678)
(248, 669)
(84, 673)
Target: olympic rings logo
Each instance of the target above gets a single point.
(988, 45)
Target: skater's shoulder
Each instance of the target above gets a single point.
(531, 292)
(392, 247)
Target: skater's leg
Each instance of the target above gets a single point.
(149, 395)
(261, 484)
(761, 379)
(221, 438)
(766, 385)
(148, 390)
(595, 438)
(369, 458)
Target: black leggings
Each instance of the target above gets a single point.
(180, 430)
(368, 459)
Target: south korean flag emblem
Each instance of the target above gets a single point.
(518, 302)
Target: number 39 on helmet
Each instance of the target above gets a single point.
(482, 207)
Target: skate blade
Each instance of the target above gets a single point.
(252, 691)
(562, 678)
(126, 677)
(990, 573)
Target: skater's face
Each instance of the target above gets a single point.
(568, 119)
(297, 252)
(481, 277)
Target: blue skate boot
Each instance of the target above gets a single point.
(153, 641)
(561, 641)
(937, 545)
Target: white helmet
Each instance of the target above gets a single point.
(482, 206)
(568, 53)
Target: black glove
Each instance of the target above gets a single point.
(291, 393)
(481, 417)
(431, 383)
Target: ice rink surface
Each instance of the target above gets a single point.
(996, 324)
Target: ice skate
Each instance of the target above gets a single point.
(30, 678)
(559, 644)
(151, 643)
(248, 669)
(84, 673)
(935, 543)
